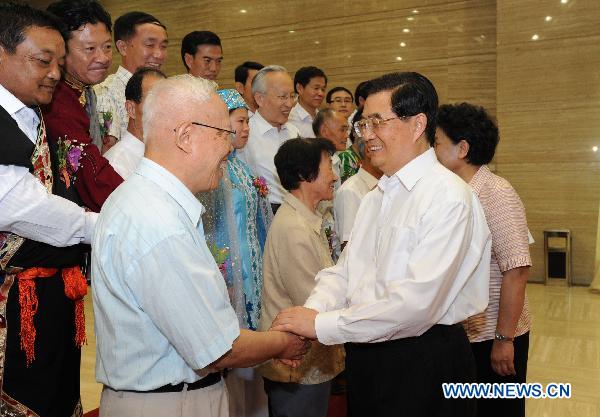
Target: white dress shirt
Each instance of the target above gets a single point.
(300, 118)
(125, 156)
(347, 200)
(26, 207)
(263, 143)
(418, 255)
(110, 96)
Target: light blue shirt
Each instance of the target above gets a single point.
(160, 303)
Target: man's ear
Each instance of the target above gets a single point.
(239, 87)
(130, 107)
(259, 98)
(189, 60)
(420, 123)
(183, 137)
(121, 47)
(463, 149)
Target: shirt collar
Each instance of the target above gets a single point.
(301, 112)
(11, 104)
(410, 173)
(479, 179)
(172, 186)
(123, 74)
(263, 126)
(367, 177)
(133, 141)
(315, 220)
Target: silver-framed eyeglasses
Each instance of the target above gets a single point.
(363, 126)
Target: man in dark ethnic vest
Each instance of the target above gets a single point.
(41, 296)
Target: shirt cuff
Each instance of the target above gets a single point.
(326, 327)
(90, 219)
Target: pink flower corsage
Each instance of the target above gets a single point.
(69, 154)
(261, 186)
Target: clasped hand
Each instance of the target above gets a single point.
(300, 321)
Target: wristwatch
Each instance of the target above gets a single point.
(502, 338)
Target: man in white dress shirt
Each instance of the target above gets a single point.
(244, 75)
(129, 151)
(26, 207)
(141, 40)
(202, 54)
(310, 84)
(416, 266)
(269, 127)
(348, 197)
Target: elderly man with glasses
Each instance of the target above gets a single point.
(164, 325)
(273, 91)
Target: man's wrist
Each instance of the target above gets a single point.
(503, 338)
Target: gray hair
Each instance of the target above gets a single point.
(259, 83)
(166, 96)
(322, 116)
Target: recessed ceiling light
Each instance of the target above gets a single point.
(535, 37)
(482, 36)
(595, 148)
(406, 30)
(317, 42)
(415, 11)
(403, 44)
(410, 18)
(243, 11)
(548, 19)
(292, 31)
(398, 58)
(564, 1)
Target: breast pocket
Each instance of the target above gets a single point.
(395, 248)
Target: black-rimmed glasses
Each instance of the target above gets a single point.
(232, 132)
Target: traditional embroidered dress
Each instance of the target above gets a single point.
(67, 119)
(41, 301)
(237, 219)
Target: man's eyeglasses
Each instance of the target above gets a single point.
(230, 133)
(285, 97)
(361, 127)
(340, 100)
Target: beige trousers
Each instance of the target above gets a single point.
(204, 402)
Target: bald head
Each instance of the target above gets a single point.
(163, 108)
(179, 137)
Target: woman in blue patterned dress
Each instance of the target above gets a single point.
(236, 223)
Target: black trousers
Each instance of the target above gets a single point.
(404, 377)
(485, 374)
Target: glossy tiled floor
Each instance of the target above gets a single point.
(565, 347)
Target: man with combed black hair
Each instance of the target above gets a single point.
(244, 74)
(71, 116)
(141, 40)
(415, 267)
(202, 54)
(129, 151)
(309, 84)
(341, 100)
